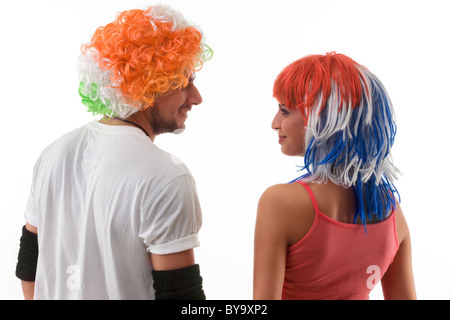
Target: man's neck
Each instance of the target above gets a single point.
(131, 121)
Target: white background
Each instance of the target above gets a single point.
(229, 145)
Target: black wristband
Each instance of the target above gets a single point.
(28, 256)
(179, 284)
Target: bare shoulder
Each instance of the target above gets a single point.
(287, 209)
(292, 192)
(284, 197)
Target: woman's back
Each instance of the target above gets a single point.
(337, 259)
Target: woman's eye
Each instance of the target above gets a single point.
(283, 110)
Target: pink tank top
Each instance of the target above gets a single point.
(337, 261)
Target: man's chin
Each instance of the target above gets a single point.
(178, 131)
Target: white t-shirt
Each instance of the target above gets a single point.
(102, 198)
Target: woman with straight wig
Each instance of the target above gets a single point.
(338, 229)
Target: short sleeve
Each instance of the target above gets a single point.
(30, 211)
(171, 221)
(31, 215)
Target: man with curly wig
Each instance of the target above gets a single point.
(110, 215)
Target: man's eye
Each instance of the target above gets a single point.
(188, 86)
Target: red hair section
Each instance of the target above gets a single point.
(147, 57)
(311, 80)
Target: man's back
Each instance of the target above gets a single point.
(102, 198)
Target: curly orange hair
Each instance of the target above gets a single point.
(143, 54)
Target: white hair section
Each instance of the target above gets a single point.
(165, 14)
(97, 84)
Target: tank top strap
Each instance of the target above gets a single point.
(311, 196)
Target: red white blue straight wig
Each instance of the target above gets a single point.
(350, 128)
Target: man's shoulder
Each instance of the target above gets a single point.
(153, 165)
(62, 142)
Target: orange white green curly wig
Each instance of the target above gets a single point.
(140, 56)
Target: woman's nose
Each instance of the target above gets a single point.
(276, 122)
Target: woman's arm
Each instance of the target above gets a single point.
(284, 216)
(269, 249)
(398, 281)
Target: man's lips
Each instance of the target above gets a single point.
(281, 139)
(184, 110)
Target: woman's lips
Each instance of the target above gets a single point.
(281, 139)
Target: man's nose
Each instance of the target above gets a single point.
(195, 97)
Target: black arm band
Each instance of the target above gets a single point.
(179, 284)
(28, 256)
